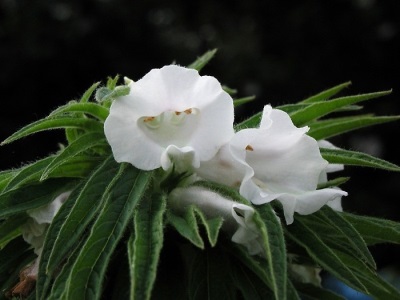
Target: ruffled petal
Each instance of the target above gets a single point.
(169, 107)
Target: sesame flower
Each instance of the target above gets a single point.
(171, 116)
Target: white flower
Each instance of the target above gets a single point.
(34, 230)
(238, 218)
(170, 112)
(275, 161)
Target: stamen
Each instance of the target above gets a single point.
(249, 148)
(188, 111)
(148, 119)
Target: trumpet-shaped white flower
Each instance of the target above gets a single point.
(171, 112)
(238, 218)
(275, 161)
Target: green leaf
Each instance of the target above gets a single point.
(201, 61)
(6, 177)
(209, 276)
(337, 221)
(376, 286)
(28, 197)
(322, 254)
(87, 274)
(347, 157)
(112, 82)
(9, 229)
(45, 277)
(88, 93)
(229, 90)
(90, 108)
(244, 100)
(81, 144)
(324, 95)
(320, 109)
(333, 127)
(252, 122)
(375, 230)
(79, 166)
(212, 226)
(187, 226)
(87, 203)
(28, 174)
(274, 246)
(333, 183)
(145, 244)
(54, 123)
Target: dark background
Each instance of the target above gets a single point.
(280, 51)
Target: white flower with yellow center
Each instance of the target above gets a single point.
(171, 115)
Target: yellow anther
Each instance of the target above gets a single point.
(249, 148)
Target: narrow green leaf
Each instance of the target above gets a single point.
(320, 109)
(333, 183)
(187, 226)
(112, 82)
(327, 93)
(229, 90)
(19, 200)
(375, 230)
(9, 229)
(81, 144)
(323, 254)
(376, 286)
(250, 286)
(90, 108)
(79, 166)
(209, 276)
(212, 226)
(240, 101)
(88, 93)
(336, 220)
(274, 246)
(44, 277)
(88, 202)
(145, 245)
(201, 61)
(28, 174)
(347, 157)
(87, 274)
(333, 127)
(252, 122)
(54, 123)
(6, 177)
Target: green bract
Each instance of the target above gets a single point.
(116, 237)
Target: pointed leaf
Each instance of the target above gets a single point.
(145, 245)
(244, 100)
(336, 220)
(320, 109)
(93, 109)
(375, 230)
(88, 202)
(201, 61)
(54, 123)
(45, 277)
(81, 144)
(28, 174)
(9, 229)
(79, 166)
(32, 196)
(275, 249)
(88, 93)
(333, 183)
(322, 254)
(327, 93)
(347, 157)
(88, 272)
(187, 226)
(333, 127)
(209, 277)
